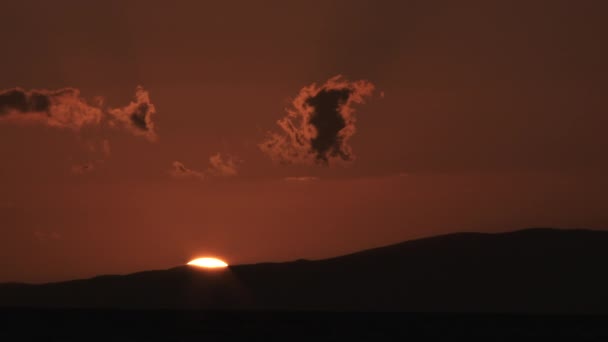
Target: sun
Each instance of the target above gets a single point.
(208, 263)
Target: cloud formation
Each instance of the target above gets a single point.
(65, 108)
(180, 171)
(137, 115)
(218, 166)
(319, 124)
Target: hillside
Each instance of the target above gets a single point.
(527, 271)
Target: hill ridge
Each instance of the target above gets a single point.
(535, 270)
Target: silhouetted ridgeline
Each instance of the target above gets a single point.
(528, 271)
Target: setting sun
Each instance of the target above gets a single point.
(207, 263)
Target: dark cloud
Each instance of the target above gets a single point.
(65, 108)
(39, 102)
(20, 101)
(13, 100)
(318, 126)
(137, 116)
(328, 122)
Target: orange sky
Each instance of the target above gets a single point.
(493, 118)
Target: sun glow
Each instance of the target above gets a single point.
(207, 263)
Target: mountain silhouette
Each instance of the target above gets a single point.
(537, 270)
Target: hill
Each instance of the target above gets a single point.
(527, 271)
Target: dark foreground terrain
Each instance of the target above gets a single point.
(171, 325)
(534, 271)
(535, 283)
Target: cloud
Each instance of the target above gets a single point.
(65, 108)
(319, 124)
(137, 115)
(218, 167)
(222, 166)
(180, 171)
(301, 179)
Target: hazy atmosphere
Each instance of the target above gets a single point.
(136, 136)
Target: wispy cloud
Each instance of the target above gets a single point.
(222, 166)
(180, 171)
(67, 109)
(218, 167)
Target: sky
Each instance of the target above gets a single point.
(138, 135)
